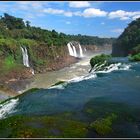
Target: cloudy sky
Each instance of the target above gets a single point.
(104, 19)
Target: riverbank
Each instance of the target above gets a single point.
(67, 71)
(80, 68)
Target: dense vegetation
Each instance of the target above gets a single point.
(44, 47)
(99, 61)
(12, 27)
(129, 41)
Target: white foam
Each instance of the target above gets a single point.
(97, 67)
(93, 74)
(81, 78)
(125, 67)
(60, 86)
(8, 107)
(114, 67)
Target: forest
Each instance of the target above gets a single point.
(44, 46)
(128, 43)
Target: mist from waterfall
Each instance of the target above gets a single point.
(25, 57)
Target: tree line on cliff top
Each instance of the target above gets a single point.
(128, 43)
(16, 28)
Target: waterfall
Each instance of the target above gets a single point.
(81, 51)
(74, 50)
(25, 56)
(70, 49)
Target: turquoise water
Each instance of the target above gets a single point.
(118, 85)
(121, 86)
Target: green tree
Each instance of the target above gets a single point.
(12, 22)
(27, 24)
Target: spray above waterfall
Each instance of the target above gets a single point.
(74, 49)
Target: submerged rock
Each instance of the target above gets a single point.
(99, 61)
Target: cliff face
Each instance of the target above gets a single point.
(128, 40)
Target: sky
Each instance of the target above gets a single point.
(95, 18)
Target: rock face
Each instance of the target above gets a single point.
(16, 75)
(18, 78)
(59, 63)
(128, 40)
(6, 92)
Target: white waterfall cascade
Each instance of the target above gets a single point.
(72, 50)
(26, 58)
(81, 51)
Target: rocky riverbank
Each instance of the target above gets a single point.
(13, 82)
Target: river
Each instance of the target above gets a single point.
(75, 70)
(114, 90)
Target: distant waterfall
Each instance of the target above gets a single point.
(72, 50)
(25, 57)
(81, 51)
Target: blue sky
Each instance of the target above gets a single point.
(103, 19)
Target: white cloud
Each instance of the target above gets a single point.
(68, 22)
(102, 23)
(79, 4)
(135, 17)
(117, 30)
(68, 14)
(124, 18)
(117, 14)
(123, 15)
(92, 12)
(28, 5)
(53, 11)
(30, 10)
(78, 13)
(58, 11)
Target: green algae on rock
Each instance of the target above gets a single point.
(44, 126)
(103, 126)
